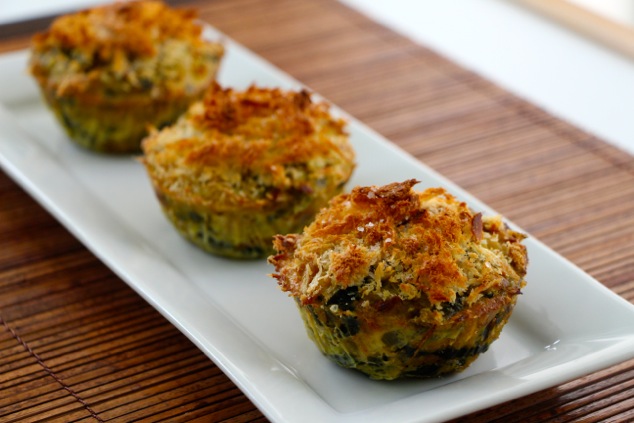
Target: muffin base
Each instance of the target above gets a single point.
(238, 234)
(114, 125)
(391, 350)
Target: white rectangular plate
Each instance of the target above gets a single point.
(565, 325)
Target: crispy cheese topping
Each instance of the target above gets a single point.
(126, 48)
(123, 28)
(258, 148)
(392, 242)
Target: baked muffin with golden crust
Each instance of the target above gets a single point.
(242, 166)
(109, 72)
(398, 283)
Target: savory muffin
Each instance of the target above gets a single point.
(109, 72)
(398, 283)
(242, 166)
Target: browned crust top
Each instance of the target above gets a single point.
(133, 27)
(391, 241)
(262, 127)
(251, 148)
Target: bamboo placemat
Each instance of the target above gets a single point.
(79, 345)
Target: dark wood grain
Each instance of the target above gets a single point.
(77, 344)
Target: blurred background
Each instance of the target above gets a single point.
(587, 44)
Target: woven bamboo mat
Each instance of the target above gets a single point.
(78, 345)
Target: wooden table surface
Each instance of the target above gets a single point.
(77, 344)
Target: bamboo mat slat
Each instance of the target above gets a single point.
(77, 344)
